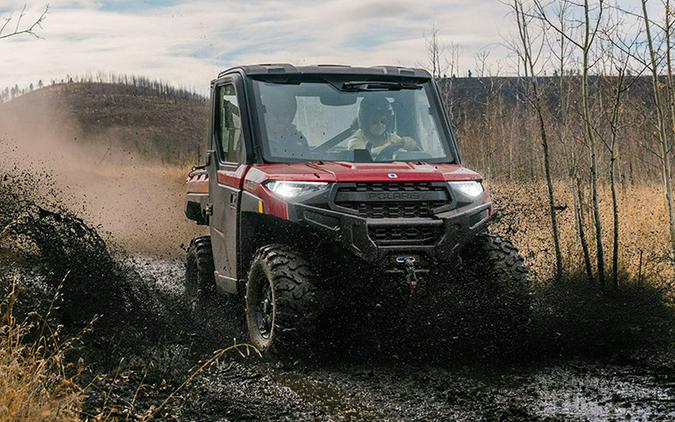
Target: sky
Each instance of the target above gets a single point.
(188, 42)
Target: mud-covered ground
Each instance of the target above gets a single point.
(375, 387)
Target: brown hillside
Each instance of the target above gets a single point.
(116, 120)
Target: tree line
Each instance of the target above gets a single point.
(140, 84)
(605, 118)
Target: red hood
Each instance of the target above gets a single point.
(361, 172)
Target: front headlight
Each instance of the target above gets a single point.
(290, 190)
(468, 189)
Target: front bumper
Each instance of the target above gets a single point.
(441, 236)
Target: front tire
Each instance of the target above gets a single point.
(495, 274)
(281, 301)
(478, 308)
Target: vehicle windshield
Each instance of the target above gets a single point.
(352, 121)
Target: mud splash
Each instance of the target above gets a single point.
(48, 248)
(134, 201)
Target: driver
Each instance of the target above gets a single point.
(376, 124)
(285, 140)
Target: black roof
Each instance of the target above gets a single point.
(328, 69)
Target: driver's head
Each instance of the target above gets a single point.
(280, 108)
(376, 117)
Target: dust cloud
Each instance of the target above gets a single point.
(138, 204)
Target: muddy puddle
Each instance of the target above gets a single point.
(387, 388)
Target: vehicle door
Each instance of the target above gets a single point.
(226, 174)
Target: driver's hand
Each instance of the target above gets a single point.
(396, 140)
(408, 142)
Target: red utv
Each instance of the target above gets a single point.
(335, 172)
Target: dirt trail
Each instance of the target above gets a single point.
(155, 337)
(570, 391)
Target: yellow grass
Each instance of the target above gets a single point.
(34, 380)
(643, 228)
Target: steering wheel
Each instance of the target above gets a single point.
(388, 151)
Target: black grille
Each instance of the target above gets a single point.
(392, 187)
(393, 210)
(405, 235)
(393, 200)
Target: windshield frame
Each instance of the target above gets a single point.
(439, 113)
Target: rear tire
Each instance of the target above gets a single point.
(281, 301)
(199, 274)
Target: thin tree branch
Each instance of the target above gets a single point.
(541, 14)
(29, 30)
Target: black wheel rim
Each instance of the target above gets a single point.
(264, 307)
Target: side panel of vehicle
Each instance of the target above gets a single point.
(226, 171)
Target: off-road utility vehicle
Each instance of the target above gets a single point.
(334, 178)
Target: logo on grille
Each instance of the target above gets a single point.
(392, 175)
(394, 196)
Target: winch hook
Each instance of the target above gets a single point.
(410, 274)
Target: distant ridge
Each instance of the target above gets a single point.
(147, 119)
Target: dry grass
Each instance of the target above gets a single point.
(39, 382)
(36, 383)
(643, 251)
(573, 317)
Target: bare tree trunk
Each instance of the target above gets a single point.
(581, 226)
(551, 197)
(671, 95)
(523, 31)
(668, 182)
(614, 123)
(569, 142)
(615, 216)
(664, 139)
(590, 136)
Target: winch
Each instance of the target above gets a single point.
(411, 278)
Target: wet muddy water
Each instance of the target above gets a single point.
(389, 389)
